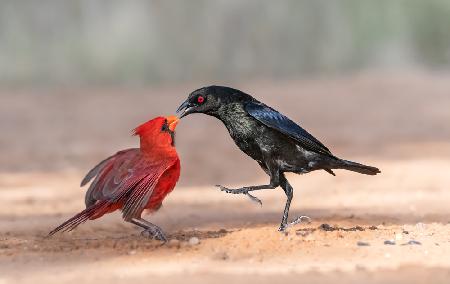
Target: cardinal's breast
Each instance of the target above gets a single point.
(165, 185)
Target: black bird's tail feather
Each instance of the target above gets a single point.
(81, 217)
(357, 167)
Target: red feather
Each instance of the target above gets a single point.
(132, 180)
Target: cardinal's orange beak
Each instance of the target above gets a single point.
(172, 121)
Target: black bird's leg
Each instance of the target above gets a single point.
(289, 194)
(151, 229)
(274, 183)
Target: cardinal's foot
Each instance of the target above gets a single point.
(155, 233)
(241, 190)
(296, 221)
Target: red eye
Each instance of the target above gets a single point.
(200, 99)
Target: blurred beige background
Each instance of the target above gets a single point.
(368, 78)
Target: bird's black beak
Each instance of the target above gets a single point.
(185, 109)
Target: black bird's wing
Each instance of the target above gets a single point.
(275, 120)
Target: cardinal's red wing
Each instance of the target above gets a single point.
(128, 177)
(108, 175)
(137, 200)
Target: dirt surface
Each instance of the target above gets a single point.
(392, 228)
(352, 218)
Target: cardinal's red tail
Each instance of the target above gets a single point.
(97, 209)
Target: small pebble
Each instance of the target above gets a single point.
(326, 227)
(398, 237)
(389, 242)
(194, 241)
(412, 242)
(362, 244)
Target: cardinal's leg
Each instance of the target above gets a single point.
(150, 229)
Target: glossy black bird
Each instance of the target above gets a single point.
(277, 143)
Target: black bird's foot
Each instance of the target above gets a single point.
(155, 233)
(298, 220)
(241, 190)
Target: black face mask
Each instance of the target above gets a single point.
(166, 128)
(172, 135)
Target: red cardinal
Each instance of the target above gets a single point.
(133, 180)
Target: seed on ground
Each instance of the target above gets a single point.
(193, 241)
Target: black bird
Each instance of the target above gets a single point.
(277, 143)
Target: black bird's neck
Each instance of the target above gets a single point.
(230, 113)
(236, 119)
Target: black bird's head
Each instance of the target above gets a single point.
(209, 100)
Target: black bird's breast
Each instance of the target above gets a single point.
(243, 129)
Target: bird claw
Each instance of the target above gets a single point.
(254, 198)
(155, 234)
(240, 191)
(233, 191)
(298, 220)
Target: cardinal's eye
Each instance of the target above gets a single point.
(165, 126)
(200, 99)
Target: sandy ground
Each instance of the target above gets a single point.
(352, 217)
(47, 148)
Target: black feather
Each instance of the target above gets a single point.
(279, 122)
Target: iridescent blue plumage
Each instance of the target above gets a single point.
(275, 120)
